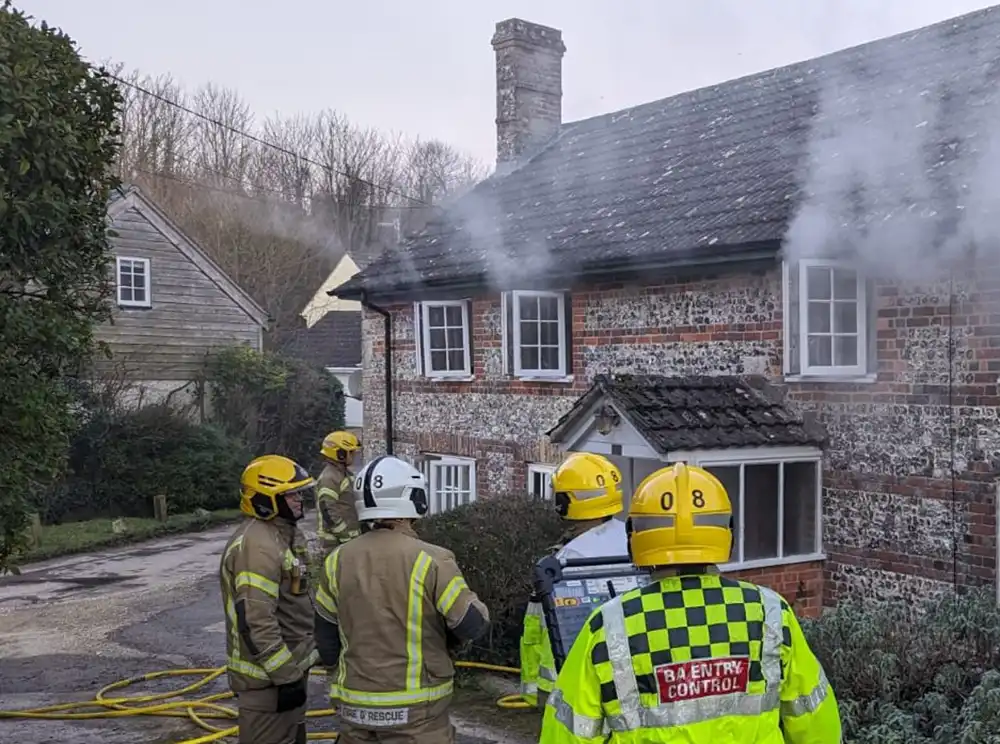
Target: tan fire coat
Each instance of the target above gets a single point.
(405, 603)
(269, 616)
(337, 516)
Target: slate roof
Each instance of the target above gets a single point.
(710, 172)
(689, 413)
(333, 341)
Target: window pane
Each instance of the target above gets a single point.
(139, 294)
(818, 284)
(437, 338)
(139, 270)
(529, 357)
(456, 360)
(455, 340)
(548, 308)
(845, 284)
(435, 316)
(799, 519)
(529, 332)
(730, 477)
(550, 333)
(454, 315)
(528, 307)
(760, 535)
(819, 317)
(439, 361)
(820, 351)
(845, 351)
(845, 317)
(463, 471)
(550, 357)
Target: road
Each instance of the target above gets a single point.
(70, 626)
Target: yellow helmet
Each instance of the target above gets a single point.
(265, 480)
(339, 446)
(680, 515)
(587, 486)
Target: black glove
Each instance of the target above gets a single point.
(293, 695)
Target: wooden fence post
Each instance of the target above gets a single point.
(160, 507)
(34, 530)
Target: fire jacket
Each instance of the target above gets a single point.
(269, 616)
(409, 605)
(694, 659)
(337, 516)
(538, 666)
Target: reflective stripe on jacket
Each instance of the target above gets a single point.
(532, 634)
(337, 517)
(269, 617)
(695, 658)
(405, 597)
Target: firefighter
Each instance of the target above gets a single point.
(409, 608)
(337, 520)
(694, 656)
(587, 492)
(269, 616)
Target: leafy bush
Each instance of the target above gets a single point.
(120, 459)
(274, 403)
(497, 543)
(58, 135)
(919, 675)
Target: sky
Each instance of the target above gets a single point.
(427, 69)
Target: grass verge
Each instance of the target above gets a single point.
(59, 540)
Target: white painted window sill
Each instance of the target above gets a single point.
(790, 560)
(545, 378)
(866, 379)
(451, 378)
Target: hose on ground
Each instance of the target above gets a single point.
(203, 711)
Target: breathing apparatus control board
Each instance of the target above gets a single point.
(571, 590)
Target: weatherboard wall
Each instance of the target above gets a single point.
(190, 313)
(890, 513)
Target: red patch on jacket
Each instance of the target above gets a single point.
(689, 680)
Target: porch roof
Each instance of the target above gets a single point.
(695, 412)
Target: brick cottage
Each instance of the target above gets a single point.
(628, 285)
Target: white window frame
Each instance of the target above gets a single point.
(711, 460)
(560, 298)
(545, 472)
(425, 340)
(145, 262)
(433, 467)
(856, 370)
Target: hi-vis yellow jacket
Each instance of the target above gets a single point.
(269, 616)
(699, 659)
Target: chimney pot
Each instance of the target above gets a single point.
(529, 87)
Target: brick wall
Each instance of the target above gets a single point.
(800, 583)
(890, 513)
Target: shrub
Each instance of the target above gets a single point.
(120, 459)
(497, 543)
(274, 403)
(921, 675)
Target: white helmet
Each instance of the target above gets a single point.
(390, 488)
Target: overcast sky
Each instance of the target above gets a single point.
(427, 68)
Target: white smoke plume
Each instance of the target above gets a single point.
(903, 158)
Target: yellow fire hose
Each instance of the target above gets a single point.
(200, 710)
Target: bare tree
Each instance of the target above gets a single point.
(221, 153)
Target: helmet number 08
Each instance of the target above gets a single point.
(667, 500)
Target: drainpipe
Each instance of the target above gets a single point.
(387, 326)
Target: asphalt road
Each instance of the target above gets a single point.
(68, 627)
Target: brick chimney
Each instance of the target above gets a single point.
(529, 87)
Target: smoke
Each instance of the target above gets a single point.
(903, 156)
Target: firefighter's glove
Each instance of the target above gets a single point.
(293, 695)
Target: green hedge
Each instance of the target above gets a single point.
(496, 544)
(905, 675)
(120, 459)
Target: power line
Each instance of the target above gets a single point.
(262, 142)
